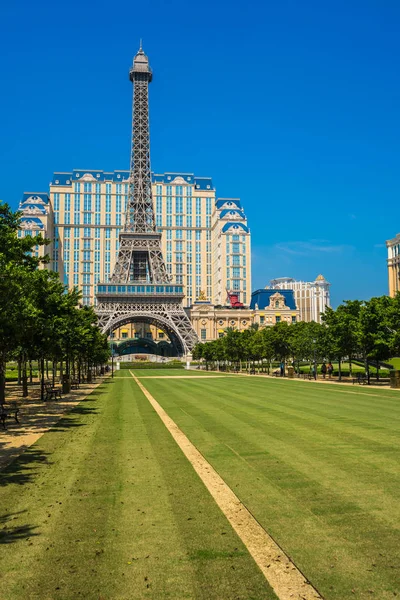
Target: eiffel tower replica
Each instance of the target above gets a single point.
(140, 289)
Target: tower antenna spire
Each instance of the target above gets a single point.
(140, 47)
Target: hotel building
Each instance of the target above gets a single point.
(393, 263)
(205, 242)
(311, 297)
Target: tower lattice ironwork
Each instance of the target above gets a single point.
(140, 288)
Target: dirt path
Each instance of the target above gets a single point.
(35, 419)
(281, 573)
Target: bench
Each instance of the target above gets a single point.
(6, 410)
(361, 379)
(252, 371)
(75, 384)
(52, 392)
(276, 373)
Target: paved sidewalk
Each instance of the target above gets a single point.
(36, 418)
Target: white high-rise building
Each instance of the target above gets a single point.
(312, 297)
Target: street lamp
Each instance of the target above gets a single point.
(315, 360)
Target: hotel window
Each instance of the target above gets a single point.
(179, 234)
(293, 319)
(189, 221)
(277, 319)
(86, 244)
(198, 206)
(67, 232)
(87, 187)
(169, 220)
(198, 258)
(98, 188)
(67, 202)
(56, 201)
(97, 256)
(76, 245)
(169, 206)
(208, 222)
(77, 232)
(108, 188)
(97, 267)
(198, 246)
(77, 218)
(189, 257)
(188, 206)
(236, 260)
(169, 190)
(77, 202)
(235, 248)
(108, 203)
(198, 234)
(178, 257)
(188, 246)
(178, 246)
(76, 267)
(86, 232)
(86, 278)
(76, 279)
(67, 218)
(262, 319)
(188, 269)
(178, 205)
(108, 244)
(108, 233)
(178, 190)
(169, 234)
(179, 220)
(98, 203)
(76, 254)
(236, 284)
(159, 190)
(118, 220)
(169, 246)
(244, 260)
(189, 234)
(108, 219)
(189, 190)
(118, 203)
(87, 218)
(208, 206)
(97, 232)
(198, 221)
(97, 219)
(235, 271)
(66, 256)
(77, 187)
(159, 205)
(198, 269)
(179, 269)
(118, 188)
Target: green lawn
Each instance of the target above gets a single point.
(105, 506)
(318, 466)
(172, 373)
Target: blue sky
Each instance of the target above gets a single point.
(293, 106)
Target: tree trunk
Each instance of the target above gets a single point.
(340, 369)
(2, 379)
(350, 367)
(42, 379)
(47, 369)
(30, 372)
(19, 370)
(377, 370)
(24, 379)
(54, 372)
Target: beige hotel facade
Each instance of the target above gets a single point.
(393, 264)
(206, 241)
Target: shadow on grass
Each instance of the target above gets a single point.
(13, 533)
(23, 469)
